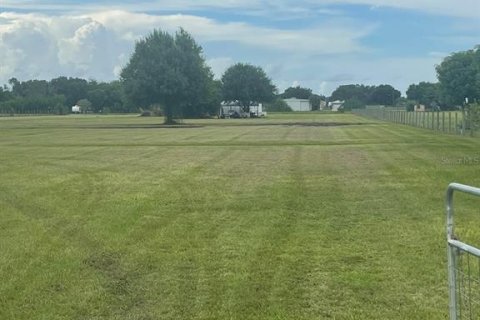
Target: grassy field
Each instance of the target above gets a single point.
(291, 217)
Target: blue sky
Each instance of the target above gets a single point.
(316, 44)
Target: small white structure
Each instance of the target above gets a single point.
(336, 105)
(76, 109)
(298, 104)
(419, 108)
(323, 105)
(234, 110)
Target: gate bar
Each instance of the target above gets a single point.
(454, 244)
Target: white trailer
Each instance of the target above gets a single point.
(76, 109)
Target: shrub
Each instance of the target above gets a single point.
(278, 106)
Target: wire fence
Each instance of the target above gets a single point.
(451, 122)
(467, 285)
(463, 264)
(5, 112)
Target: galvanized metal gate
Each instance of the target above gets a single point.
(463, 265)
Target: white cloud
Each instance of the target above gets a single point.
(465, 8)
(25, 45)
(97, 45)
(321, 56)
(331, 37)
(219, 65)
(39, 46)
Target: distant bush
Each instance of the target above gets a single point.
(278, 106)
(473, 116)
(35, 105)
(352, 103)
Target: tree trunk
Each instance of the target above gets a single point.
(169, 114)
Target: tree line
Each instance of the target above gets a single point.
(168, 73)
(58, 95)
(458, 79)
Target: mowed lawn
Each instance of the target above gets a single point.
(304, 216)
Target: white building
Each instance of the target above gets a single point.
(298, 104)
(323, 105)
(335, 105)
(419, 108)
(76, 109)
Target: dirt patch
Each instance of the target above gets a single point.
(117, 279)
(325, 124)
(295, 124)
(217, 124)
(142, 126)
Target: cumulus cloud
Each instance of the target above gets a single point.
(38, 46)
(320, 55)
(98, 44)
(25, 45)
(330, 37)
(91, 48)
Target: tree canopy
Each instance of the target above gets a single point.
(459, 76)
(59, 94)
(384, 94)
(315, 101)
(278, 105)
(168, 70)
(361, 95)
(426, 93)
(297, 92)
(248, 85)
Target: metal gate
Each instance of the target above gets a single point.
(463, 265)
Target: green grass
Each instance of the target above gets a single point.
(117, 217)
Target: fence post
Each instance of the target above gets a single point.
(438, 120)
(449, 121)
(443, 121)
(456, 122)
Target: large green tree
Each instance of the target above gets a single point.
(426, 93)
(73, 89)
(4, 94)
(459, 76)
(315, 101)
(248, 85)
(168, 70)
(384, 94)
(360, 94)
